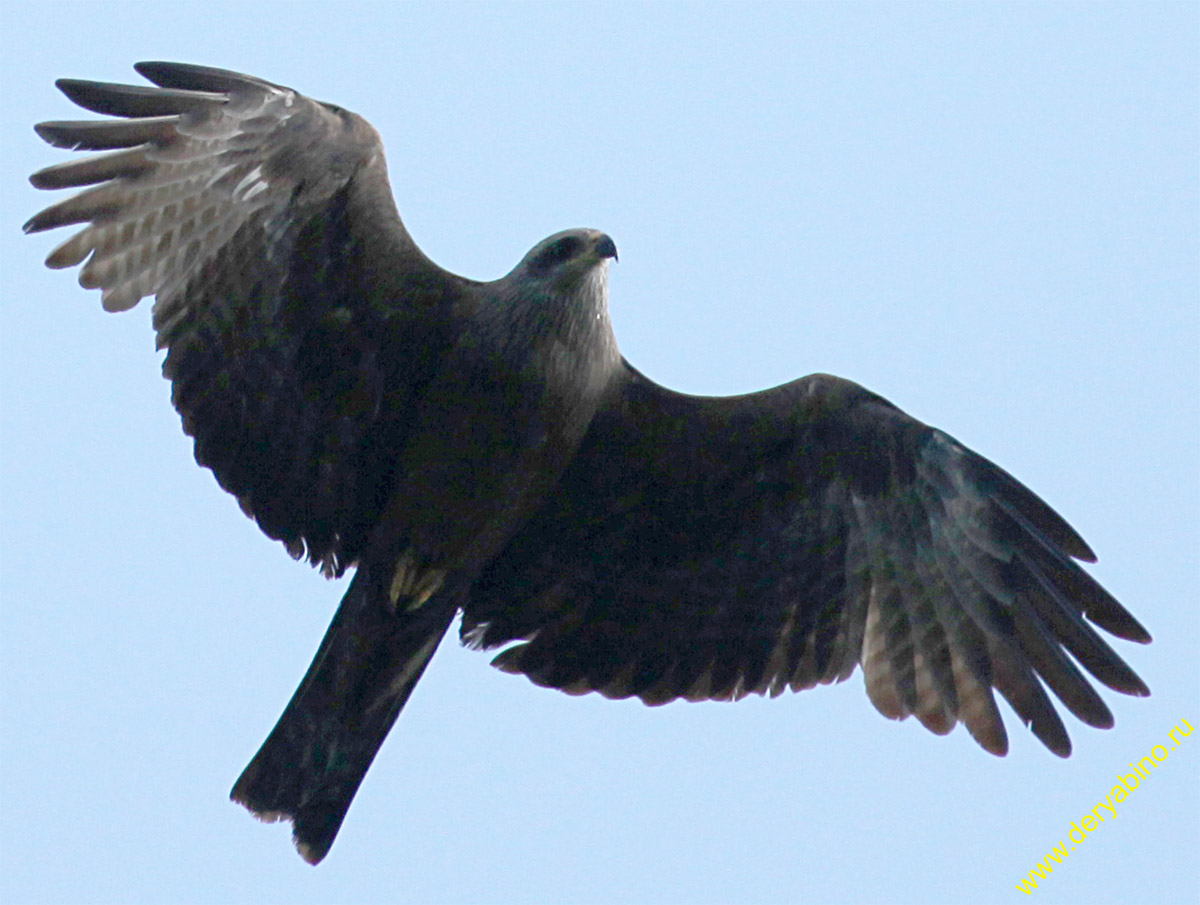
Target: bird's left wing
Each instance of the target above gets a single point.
(299, 317)
(707, 548)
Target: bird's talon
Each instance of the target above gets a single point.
(429, 584)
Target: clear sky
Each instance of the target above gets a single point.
(986, 213)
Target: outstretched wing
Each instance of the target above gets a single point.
(707, 548)
(300, 319)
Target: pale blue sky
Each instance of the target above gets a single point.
(987, 213)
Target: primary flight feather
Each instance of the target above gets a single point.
(482, 448)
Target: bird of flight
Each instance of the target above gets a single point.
(483, 449)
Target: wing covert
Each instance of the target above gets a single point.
(707, 548)
(300, 320)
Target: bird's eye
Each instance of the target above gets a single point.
(562, 250)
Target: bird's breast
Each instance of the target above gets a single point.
(493, 434)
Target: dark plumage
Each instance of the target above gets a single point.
(483, 449)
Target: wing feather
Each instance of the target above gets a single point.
(115, 99)
(104, 135)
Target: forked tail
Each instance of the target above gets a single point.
(310, 766)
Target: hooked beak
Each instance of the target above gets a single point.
(605, 247)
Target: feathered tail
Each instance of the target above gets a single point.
(310, 766)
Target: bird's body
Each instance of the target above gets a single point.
(499, 423)
(482, 448)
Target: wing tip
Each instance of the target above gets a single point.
(993, 740)
(77, 90)
(1081, 551)
(48, 133)
(1137, 689)
(1132, 631)
(165, 73)
(1053, 734)
(146, 67)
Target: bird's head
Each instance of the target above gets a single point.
(568, 260)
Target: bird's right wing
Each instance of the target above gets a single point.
(300, 319)
(708, 548)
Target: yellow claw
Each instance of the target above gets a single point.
(403, 578)
(409, 580)
(427, 586)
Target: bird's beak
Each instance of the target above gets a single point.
(605, 247)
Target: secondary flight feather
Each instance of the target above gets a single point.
(483, 449)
